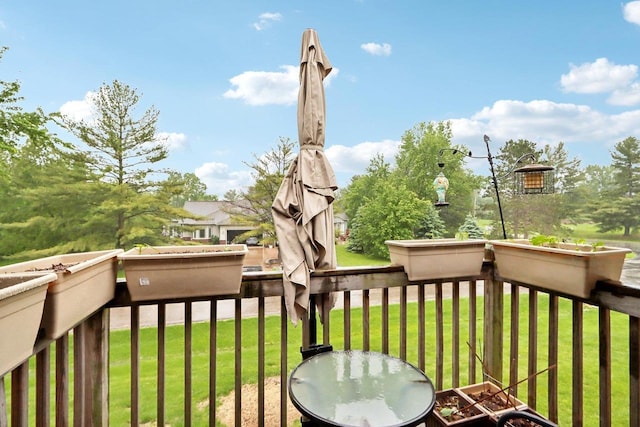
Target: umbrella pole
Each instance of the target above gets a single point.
(313, 348)
(313, 329)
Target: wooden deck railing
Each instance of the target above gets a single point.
(457, 331)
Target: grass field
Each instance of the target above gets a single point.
(120, 377)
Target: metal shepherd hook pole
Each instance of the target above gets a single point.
(495, 184)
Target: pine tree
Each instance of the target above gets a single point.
(470, 229)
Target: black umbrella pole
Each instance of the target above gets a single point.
(314, 348)
(313, 327)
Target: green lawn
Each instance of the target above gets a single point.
(351, 259)
(119, 357)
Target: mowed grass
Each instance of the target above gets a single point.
(590, 231)
(225, 353)
(352, 259)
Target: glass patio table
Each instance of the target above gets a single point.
(361, 388)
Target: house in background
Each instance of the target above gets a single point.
(215, 221)
(340, 221)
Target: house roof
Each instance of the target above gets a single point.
(215, 211)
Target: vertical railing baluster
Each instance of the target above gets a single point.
(554, 327)
(439, 337)
(455, 333)
(514, 341)
(604, 374)
(347, 320)
(403, 323)
(261, 362)
(634, 371)
(135, 364)
(532, 365)
(188, 362)
(473, 332)
(366, 318)
(62, 381)
(4, 421)
(43, 396)
(421, 328)
(326, 324)
(385, 321)
(213, 345)
(79, 369)
(162, 362)
(20, 395)
(577, 365)
(238, 362)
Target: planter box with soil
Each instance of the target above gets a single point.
(85, 282)
(437, 258)
(567, 268)
(21, 304)
(166, 272)
(491, 399)
(453, 408)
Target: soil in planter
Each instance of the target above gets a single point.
(490, 400)
(459, 408)
(55, 267)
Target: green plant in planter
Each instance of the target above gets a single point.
(544, 240)
(554, 242)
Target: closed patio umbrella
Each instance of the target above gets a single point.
(302, 210)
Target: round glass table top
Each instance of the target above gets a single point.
(361, 388)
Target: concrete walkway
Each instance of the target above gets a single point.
(120, 317)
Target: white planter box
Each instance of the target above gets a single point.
(438, 258)
(563, 269)
(86, 283)
(21, 304)
(165, 272)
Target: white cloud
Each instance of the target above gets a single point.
(172, 140)
(626, 97)
(266, 19)
(270, 88)
(542, 122)
(354, 160)
(600, 76)
(377, 49)
(265, 87)
(631, 12)
(219, 179)
(79, 110)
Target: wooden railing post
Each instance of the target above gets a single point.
(93, 341)
(493, 328)
(4, 422)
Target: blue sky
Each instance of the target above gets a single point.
(224, 75)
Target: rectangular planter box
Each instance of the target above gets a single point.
(86, 282)
(21, 304)
(566, 269)
(507, 402)
(473, 415)
(438, 258)
(165, 272)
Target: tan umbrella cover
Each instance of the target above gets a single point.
(302, 210)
